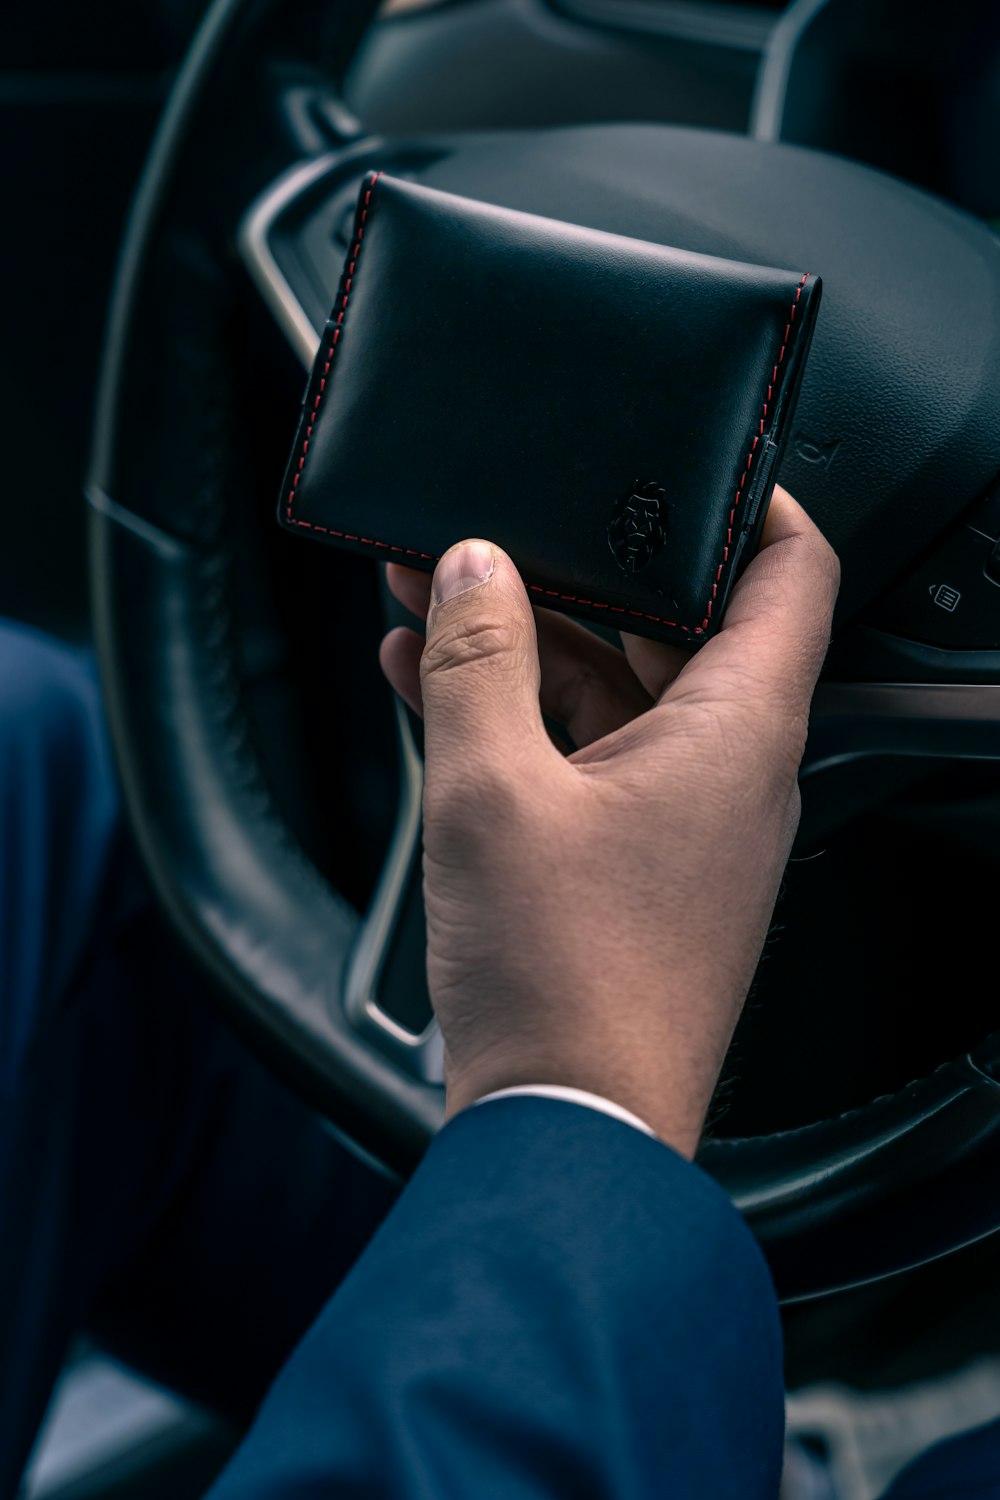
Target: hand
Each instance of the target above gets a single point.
(595, 918)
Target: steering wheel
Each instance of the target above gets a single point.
(204, 613)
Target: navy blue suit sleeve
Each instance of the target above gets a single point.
(967, 1465)
(558, 1306)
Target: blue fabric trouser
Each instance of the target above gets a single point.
(157, 1187)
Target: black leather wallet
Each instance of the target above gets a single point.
(609, 411)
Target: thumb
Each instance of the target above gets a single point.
(777, 627)
(479, 671)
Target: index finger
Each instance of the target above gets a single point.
(776, 630)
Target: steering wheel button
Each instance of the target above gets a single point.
(951, 599)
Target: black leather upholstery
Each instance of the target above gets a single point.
(610, 411)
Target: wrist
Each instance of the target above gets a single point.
(673, 1116)
(596, 1102)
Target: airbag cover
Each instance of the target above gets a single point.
(898, 424)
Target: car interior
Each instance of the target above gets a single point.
(181, 181)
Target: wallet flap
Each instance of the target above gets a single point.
(606, 409)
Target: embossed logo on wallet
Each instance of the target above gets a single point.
(638, 526)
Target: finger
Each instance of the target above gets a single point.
(756, 677)
(654, 663)
(587, 685)
(776, 630)
(479, 670)
(411, 587)
(399, 657)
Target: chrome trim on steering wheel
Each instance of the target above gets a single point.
(954, 720)
(421, 1054)
(255, 251)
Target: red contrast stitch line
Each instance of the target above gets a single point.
(658, 619)
(535, 588)
(331, 351)
(366, 541)
(750, 456)
(615, 609)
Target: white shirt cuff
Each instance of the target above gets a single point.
(572, 1096)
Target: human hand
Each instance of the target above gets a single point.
(595, 918)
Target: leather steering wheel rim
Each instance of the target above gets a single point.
(834, 1203)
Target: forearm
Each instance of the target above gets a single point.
(558, 1306)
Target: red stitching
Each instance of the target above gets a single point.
(750, 456)
(365, 541)
(535, 588)
(674, 624)
(323, 381)
(616, 609)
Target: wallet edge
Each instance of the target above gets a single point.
(757, 474)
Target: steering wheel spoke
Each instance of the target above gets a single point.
(385, 994)
(318, 990)
(868, 740)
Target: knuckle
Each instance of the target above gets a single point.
(463, 642)
(832, 563)
(827, 566)
(778, 721)
(793, 812)
(790, 747)
(782, 737)
(756, 732)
